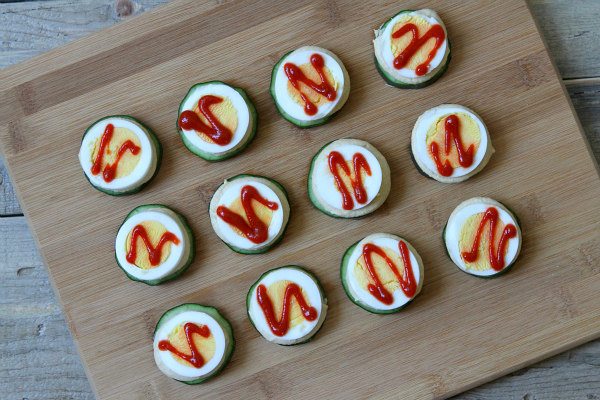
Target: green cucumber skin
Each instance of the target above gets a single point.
(285, 115)
(343, 271)
(299, 268)
(175, 274)
(210, 156)
(313, 199)
(223, 322)
(157, 148)
(276, 242)
(402, 85)
(504, 271)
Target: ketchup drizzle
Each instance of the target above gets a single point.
(452, 134)
(154, 253)
(496, 258)
(254, 230)
(280, 327)
(194, 358)
(325, 89)
(436, 31)
(217, 132)
(407, 282)
(110, 170)
(359, 162)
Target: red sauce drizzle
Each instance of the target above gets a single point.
(295, 75)
(436, 31)
(452, 135)
(407, 282)
(496, 258)
(110, 170)
(280, 327)
(359, 163)
(217, 132)
(254, 230)
(195, 358)
(154, 253)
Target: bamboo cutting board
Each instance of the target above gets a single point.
(460, 332)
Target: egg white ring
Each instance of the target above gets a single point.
(178, 255)
(167, 361)
(324, 186)
(363, 295)
(302, 56)
(383, 49)
(455, 224)
(144, 169)
(230, 191)
(244, 117)
(421, 152)
(314, 297)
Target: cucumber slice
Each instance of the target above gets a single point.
(293, 111)
(354, 287)
(470, 126)
(454, 234)
(229, 192)
(312, 292)
(148, 164)
(406, 78)
(220, 329)
(247, 120)
(180, 256)
(324, 192)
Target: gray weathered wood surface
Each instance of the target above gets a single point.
(37, 356)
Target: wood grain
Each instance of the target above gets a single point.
(530, 205)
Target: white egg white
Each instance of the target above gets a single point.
(167, 362)
(229, 191)
(143, 171)
(244, 117)
(422, 155)
(302, 56)
(324, 187)
(455, 224)
(360, 294)
(178, 256)
(314, 296)
(385, 58)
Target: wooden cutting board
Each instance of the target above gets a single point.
(460, 332)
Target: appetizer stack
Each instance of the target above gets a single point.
(347, 178)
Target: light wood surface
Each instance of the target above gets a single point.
(406, 206)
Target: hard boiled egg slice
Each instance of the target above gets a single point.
(249, 213)
(119, 155)
(450, 143)
(309, 85)
(348, 178)
(287, 305)
(154, 244)
(382, 273)
(468, 232)
(192, 343)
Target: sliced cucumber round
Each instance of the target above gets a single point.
(258, 232)
(314, 109)
(406, 77)
(305, 311)
(150, 225)
(469, 152)
(373, 284)
(332, 194)
(140, 158)
(471, 222)
(210, 333)
(228, 122)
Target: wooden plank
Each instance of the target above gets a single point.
(38, 357)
